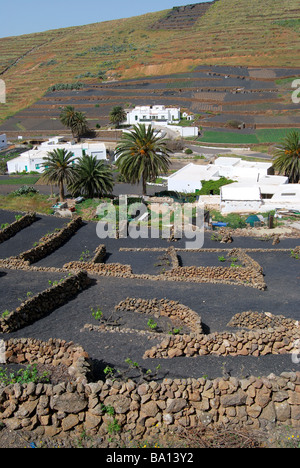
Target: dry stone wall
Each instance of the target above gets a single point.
(163, 307)
(139, 409)
(248, 274)
(50, 243)
(268, 334)
(17, 226)
(40, 305)
(99, 254)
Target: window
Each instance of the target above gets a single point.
(37, 166)
(288, 194)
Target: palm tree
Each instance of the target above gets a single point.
(93, 178)
(67, 117)
(59, 169)
(76, 121)
(117, 115)
(142, 155)
(287, 156)
(80, 125)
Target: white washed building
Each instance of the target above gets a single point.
(254, 189)
(188, 179)
(147, 114)
(33, 159)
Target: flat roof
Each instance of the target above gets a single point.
(196, 172)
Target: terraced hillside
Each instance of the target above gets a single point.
(231, 32)
(217, 96)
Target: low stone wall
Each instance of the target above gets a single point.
(54, 352)
(17, 226)
(43, 303)
(50, 243)
(110, 269)
(126, 410)
(163, 307)
(266, 320)
(250, 274)
(99, 254)
(268, 335)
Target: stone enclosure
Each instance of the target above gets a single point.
(146, 407)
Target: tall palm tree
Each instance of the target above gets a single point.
(76, 121)
(59, 169)
(93, 178)
(117, 115)
(287, 157)
(142, 155)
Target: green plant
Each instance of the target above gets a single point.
(27, 375)
(175, 331)
(113, 427)
(4, 225)
(25, 190)
(5, 313)
(109, 372)
(85, 256)
(97, 314)
(222, 259)
(294, 254)
(108, 409)
(151, 324)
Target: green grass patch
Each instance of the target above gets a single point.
(268, 135)
(211, 136)
(20, 181)
(33, 203)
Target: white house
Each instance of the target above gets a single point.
(188, 179)
(239, 198)
(147, 114)
(3, 141)
(254, 189)
(33, 159)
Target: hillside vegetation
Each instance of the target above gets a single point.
(232, 32)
